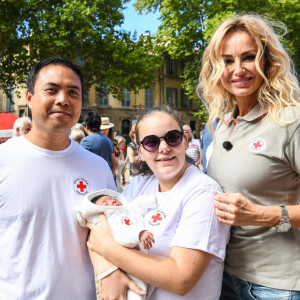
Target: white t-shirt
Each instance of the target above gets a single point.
(185, 217)
(43, 253)
(193, 149)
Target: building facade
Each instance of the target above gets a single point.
(167, 89)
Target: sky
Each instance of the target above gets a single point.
(141, 23)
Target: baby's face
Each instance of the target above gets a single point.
(108, 201)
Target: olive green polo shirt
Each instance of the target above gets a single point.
(264, 166)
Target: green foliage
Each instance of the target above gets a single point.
(83, 31)
(187, 26)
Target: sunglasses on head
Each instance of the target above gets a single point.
(151, 142)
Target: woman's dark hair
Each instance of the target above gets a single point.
(142, 165)
(93, 121)
(33, 73)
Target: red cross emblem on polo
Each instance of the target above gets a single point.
(257, 145)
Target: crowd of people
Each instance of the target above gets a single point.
(233, 233)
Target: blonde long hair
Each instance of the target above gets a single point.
(280, 87)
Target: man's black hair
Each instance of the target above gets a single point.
(93, 121)
(33, 73)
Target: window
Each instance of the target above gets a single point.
(127, 98)
(10, 97)
(102, 95)
(172, 97)
(185, 101)
(126, 126)
(171, 66)
(149, 97)
(193, 125)
(21, 113)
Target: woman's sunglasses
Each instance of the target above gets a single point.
(151, 142)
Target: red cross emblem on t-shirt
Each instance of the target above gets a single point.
(127, 221)
(156, 218)
(81, 186)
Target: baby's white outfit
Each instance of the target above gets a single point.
(125, 221)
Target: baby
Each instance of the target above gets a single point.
(145, 237)
(125, 220)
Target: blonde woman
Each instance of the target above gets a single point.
(249, 83)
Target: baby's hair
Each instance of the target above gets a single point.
(95, 199)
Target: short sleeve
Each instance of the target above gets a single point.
(199, 227)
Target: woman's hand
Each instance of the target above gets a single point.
(236, 209)
(101, 237)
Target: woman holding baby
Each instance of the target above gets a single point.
(188, 254)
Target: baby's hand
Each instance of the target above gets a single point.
(146, 238)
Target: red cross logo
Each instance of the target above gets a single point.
(257, 145)
(156, 218)
(127, 221)
(81, 186)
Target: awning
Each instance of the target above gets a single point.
(7, 121)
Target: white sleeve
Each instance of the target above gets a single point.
(199, 227)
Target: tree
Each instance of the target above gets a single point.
(187, 26)
(83, 31)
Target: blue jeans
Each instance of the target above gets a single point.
(234, 288)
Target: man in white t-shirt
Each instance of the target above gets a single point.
(193, 149)
(44, 174)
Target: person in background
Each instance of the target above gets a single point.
(107, 129)
(44, 174)
(132, 154)
(120, 171)
(205, 143)
(22, 126)
(193, 148)
(96, 141)
(77, 135)
(78, 126)
(249, 82)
